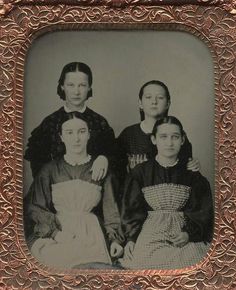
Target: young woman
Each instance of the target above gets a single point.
(134, 144)
(44, 145)
(70, 219)
(167, 212)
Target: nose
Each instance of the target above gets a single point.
(77, 137)
(169, 141)
(77, 90)
(154, 100)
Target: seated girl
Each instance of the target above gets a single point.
(167, 212)
(70, 219)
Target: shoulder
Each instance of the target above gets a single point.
(51, 119)
(90, 113)
(55, 115)
(130, 130)
(142, 168)
(49, 167)
(95, 118)
(198, 179)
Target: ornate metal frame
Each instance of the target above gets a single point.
(21, 21)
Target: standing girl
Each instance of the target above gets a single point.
(134, 144)
(74, 88)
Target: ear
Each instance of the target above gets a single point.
(168, 104)
(153, 139)
(140, 104)
(62, 88)
(61, 138)
(183, 140)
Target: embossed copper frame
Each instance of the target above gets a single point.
(21, 21)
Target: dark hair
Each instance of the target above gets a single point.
(168, 120)
(158, 83)
(74, 67)
(70, 116)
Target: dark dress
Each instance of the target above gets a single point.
(133, 146)
(163, 201)
(45, 143)
(69, 218)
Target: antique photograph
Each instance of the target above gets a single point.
(119, 149)
(117, 144)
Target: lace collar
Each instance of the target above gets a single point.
(67, 110)
(72, 162)
(164, 165)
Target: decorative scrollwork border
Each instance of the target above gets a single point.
(208, 21)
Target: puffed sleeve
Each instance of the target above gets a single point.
(111, 214)
(134, 207)
(39, 213)
(45, 143)
(199, 213)
(38, 147)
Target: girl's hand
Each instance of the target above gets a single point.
(193, 165)
(116, 250)
(99, 168)
(128, 251)
(180, 240)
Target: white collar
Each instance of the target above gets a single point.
(164, 165)
(72, 162)
(67, 110)
(144, 128)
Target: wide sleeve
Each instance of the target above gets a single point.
(199, 213)
(111, 214)
(134, 206)
(38, 150)
(39, 213)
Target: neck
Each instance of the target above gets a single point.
(147, 124)
(76, 157)
(75, 108)
(166, 161)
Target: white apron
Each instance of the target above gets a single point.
(81, 239)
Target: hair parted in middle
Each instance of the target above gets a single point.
(74, 67)
(157, 83)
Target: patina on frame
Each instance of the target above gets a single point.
(21, 22)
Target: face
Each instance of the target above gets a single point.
(154, 102)
(76, 88)
(168, 140)
(75, 136)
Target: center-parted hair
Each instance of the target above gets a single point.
(71, 116)
(157, 83)
(168, 120)
(74, 67)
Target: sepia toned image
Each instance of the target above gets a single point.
(117, 144)
(119, 149)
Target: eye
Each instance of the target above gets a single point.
(147, 96)
(161, 97)
(176, 137)
(83, 131)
